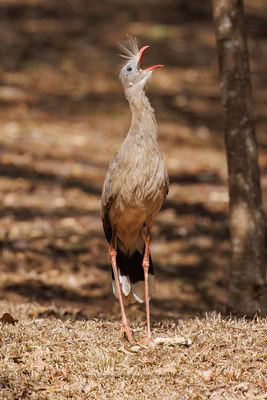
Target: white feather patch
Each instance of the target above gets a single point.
(114, 288)
(138, 289)
(125, 284)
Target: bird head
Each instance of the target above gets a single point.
(132, 76)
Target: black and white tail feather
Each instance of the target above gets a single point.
(131, 275)
(130, 265)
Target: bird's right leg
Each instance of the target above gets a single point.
(146, 267)
(125, 328)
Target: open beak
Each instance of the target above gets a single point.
(140, 57)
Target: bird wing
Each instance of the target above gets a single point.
(166, 182)
(105, 220)
(106, 204)
(107, 199)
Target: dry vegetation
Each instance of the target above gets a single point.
(44, 358)
(62, 117)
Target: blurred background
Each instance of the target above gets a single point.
(63, 115)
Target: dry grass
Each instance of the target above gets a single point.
(63, 115)
(45, 358)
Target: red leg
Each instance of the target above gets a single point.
(125, 328)
(146, 267)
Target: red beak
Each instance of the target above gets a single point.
(154, 67)
(140, 56)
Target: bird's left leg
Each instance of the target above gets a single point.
(146, 267)
(125, 328)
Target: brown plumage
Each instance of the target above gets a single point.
(135, 187)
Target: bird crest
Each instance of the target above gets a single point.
(129, 48)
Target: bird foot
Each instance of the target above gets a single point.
(147, 342)
(126, 333)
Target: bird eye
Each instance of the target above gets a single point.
(129, 69)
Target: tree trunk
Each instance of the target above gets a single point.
(247, 291)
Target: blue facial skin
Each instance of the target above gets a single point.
(129, 69)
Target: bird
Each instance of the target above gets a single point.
(135, 187)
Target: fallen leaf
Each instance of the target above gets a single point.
(248, 388)
(89, 387)
(217, 396)
(135, 348)
(127, 351)
(37, 362)
(243, 386)
(207, 375)
(252, 391)
(8, 319)
(166, 369)
(173, 341)
(146, 360)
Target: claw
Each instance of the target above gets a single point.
(126, 332)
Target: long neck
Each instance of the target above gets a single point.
(143, 118)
